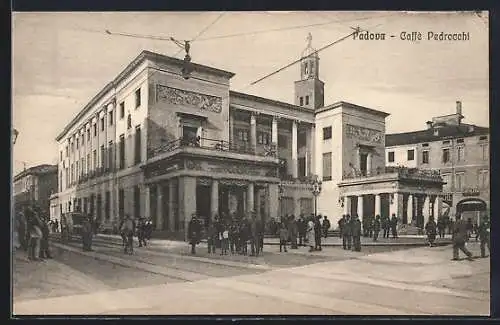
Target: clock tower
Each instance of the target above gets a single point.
(309, 90)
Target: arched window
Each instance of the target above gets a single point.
(306, 68)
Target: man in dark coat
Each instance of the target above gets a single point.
(254, 239)
(356, 233)
(301, 227)
(460, 237)
(326, 226)
(484, 235)
(394, 225)
(141, 232)
(293, 229)
(376, 227)
(212, 235)
(341, 224)
(385, 226)
(431, 229)
(317, 233)
(347, 233)
(194, 233)
(87, 232)
(44, 243)
(441, 227)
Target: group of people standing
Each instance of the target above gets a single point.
(129, 228)
(33, 231)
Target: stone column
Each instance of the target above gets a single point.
(410, 208)
(250, 198)
(214, 203)
(369, 164)
(438, 201)
(274, 132)
(273, 194)
(394, 207)
(426, 209)
(187, 200)
(360, 207)
(294, 150)
(253, 132)
(147, 201)
(313, 149)
(378, 208)
(159, 207)
(172, 191)
(347, 205)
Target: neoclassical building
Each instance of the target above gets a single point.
(154, 144)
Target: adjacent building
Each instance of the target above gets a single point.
(153, 143)
(459, 152)
(34, 186)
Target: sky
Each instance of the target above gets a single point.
(61, 60)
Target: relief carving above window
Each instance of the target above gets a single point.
(189, 98)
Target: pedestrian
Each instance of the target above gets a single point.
(194, 232)
(376, 227)
(459, 238)
(293, 230)
(254, 235)
(317, 233)
(470, 228)
(87, 232)
(127, 230)
(394, 225)
(44, 243)
(326, 226)
(302, 227)
(34, 233)
(484, 235)
(149, 228)
(356, 233)
(211, 237)
(430, 229)
(440, 227)
(311, 233)
(233, 237)
(341, 224)
(224, 237)
(283, 236)
(385, 226)
(345, 231)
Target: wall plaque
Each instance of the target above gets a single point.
(189, 98)
(362, 133)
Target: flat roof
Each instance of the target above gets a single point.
(354, 106)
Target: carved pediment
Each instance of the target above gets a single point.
(362, 133)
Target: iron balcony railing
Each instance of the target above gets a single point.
(213, 144)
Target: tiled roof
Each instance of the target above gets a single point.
(37, 170)
(444, 132)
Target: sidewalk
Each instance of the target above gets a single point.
(395, 283)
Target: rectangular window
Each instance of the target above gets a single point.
(301, 99)
(88, 134)
(307, 100)
(77, 142)
(137, 144)
(327, 166)
(60, 181)
(302, 166)
(94, 164)
(122, 110)
(282, 141)
(242, 135)
(460, 153)
(77, 171)
(189, 132)
(390, 156)
(484, 178)
(484, 151)
(111, 156)
(102, 123)
(110, 117)
(107, 205)
(446, 180)
(61, 156)
(327, 133)
(72, 174)
(138, 98)
(446, 155)
(121, 203)
(122, 151)
(83, 139)
(425, 145)
(410, 155)
(84, 171)
(95, 129)
(460, 140)
(67, 151)
(425, 157)
(103, 158)
(459, 181)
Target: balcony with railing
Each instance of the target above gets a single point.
(213, 145)
(394, 172)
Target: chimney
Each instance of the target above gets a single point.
(459, 107)
(429, 125)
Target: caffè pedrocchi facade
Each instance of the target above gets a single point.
(154, 144)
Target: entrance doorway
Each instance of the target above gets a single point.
(231, 200)
(203, 209)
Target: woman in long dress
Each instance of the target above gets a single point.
(310, 234)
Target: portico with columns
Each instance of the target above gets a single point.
(411, 195)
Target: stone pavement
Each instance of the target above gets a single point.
(418, 281)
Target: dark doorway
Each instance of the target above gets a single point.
(385, 204)
(203, 196)
(368, 205)
(302, 166)
(354, 205)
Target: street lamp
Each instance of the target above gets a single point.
(316, 190)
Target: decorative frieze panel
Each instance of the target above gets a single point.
(364, 134)
(162, 169)
(189, 98)
(236, 169)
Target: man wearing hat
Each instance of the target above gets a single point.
(356, 233)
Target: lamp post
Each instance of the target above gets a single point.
(316, 190)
